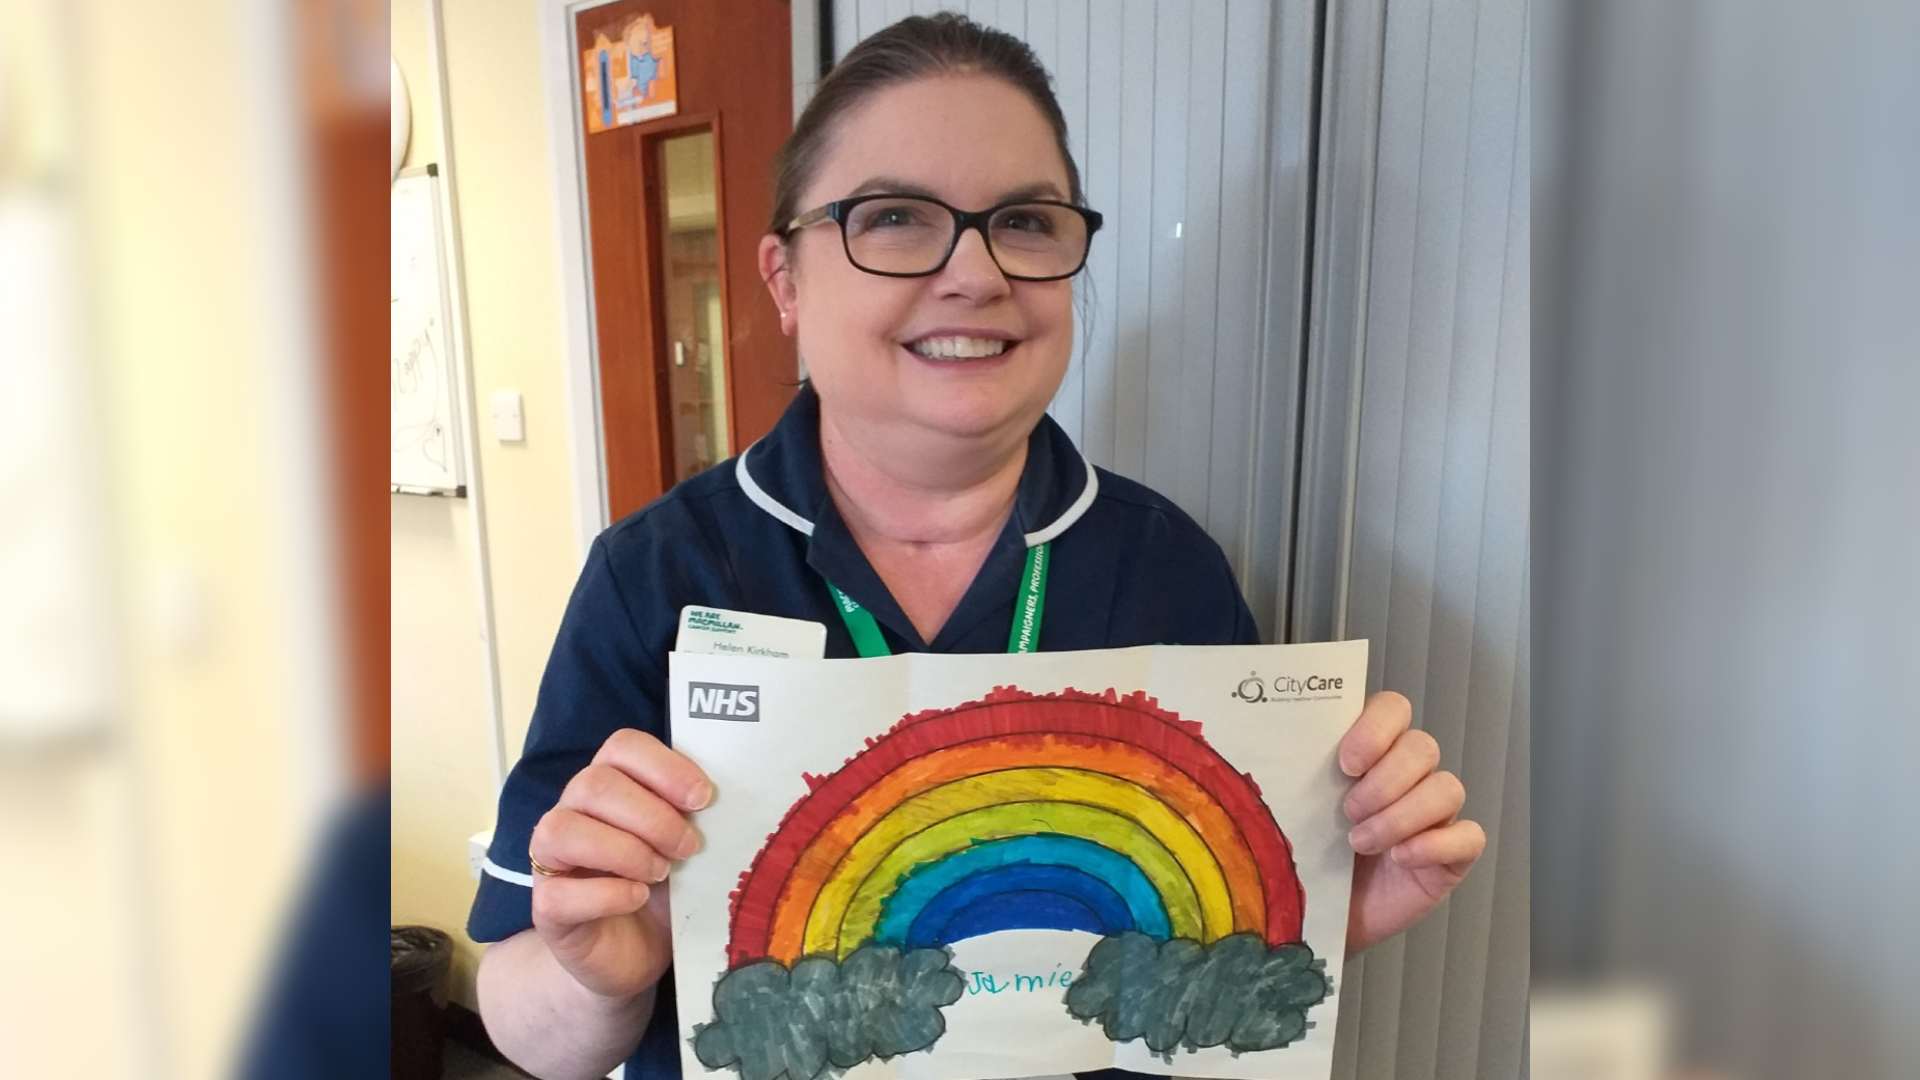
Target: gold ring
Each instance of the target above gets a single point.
(543, 871)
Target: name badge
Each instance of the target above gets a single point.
(744, 633)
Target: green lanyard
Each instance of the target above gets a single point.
(1024, 636)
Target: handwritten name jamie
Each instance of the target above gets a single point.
(986, 982)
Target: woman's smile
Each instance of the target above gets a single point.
(964, 348)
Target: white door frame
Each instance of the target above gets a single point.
(585, 447)
(560, 71)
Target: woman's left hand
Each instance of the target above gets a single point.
(1412, 852)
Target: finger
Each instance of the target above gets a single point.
(604, 792)
(656, 767)
(1454, 846)
(1433, 801)
(1386, 715)
(570, 840)
(1415, 754)
(560, 902)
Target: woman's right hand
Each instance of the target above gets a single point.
(617, 830)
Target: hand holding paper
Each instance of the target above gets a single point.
(598, 854)
(1412, 851)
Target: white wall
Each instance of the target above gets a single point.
(442, 754)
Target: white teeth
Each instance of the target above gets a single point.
(958, 348)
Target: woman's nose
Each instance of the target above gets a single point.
(971, 272)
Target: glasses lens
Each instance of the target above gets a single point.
(898, 235)
(1038, 239)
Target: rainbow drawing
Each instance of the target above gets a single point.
(1061, 811)
(1065, 811)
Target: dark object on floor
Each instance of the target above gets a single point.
(470, 1054)
(422, 957)
(466, 1063)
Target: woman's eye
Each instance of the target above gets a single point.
(1027, 222)
(893, 217)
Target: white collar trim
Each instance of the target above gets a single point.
(1088, 492)
(494, 869)
(786, 516)
(764, 501)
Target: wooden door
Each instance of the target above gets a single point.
(692, 363)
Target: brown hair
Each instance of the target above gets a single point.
(912, 48)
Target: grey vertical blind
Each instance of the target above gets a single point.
(1190, 122)
(1728, 507)
(1317, 259)
(1427, 345)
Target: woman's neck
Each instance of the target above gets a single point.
(943, 494)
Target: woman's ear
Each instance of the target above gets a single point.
(779, 278)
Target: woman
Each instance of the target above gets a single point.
(912, 476)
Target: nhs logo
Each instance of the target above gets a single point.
(722, 701)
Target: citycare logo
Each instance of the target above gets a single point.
(723, 701)
(1256, 688)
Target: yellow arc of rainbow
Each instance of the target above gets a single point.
(787, 935)
(1073, 802)
(839, 936)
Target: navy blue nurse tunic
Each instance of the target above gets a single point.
(758, 533)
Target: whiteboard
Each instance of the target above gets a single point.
(424, 386)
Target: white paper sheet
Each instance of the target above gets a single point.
(984, 793)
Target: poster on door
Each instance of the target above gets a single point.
(630, 76)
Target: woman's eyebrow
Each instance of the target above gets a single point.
(893, 185)
(1041, 190)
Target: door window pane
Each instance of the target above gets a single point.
(696, 412)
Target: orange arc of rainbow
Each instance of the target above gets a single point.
(1123, 760)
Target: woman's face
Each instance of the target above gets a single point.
(971, 141)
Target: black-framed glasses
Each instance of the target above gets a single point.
(914, 235)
